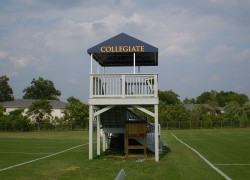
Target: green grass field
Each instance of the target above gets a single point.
(227, 149)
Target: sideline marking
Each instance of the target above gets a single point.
(27, 162)
(202, 157)
(232, 164)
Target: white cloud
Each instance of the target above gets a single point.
(24, 61)
(214, 78)
(176, 51)
(244, 55)
(3, 55)
(227, 54)
(221, 54)
(41, 36)
(73, 81)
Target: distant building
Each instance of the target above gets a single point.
(57, 106)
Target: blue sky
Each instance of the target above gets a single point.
(203, 44)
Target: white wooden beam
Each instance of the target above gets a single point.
(145, 111)
(102, 110)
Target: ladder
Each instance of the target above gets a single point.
(135, 130)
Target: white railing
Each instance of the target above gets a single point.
(151, 136)
(123, 85)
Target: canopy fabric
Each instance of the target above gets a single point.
(119, 50)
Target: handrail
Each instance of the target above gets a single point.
(123, 85)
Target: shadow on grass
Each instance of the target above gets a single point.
(119, 153)
(165, 151)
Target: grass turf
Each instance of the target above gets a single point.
(223, 146)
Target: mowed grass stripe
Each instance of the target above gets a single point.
(178, 163)
(202, 157)
(23, 153)
(222, 146)
(27, 162)
(232, 164)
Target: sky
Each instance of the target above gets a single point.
(203, 45)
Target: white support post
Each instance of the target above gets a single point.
(156, 134)
(134, 63)
(104, 142)
(91, 63)
(90, 131)
(98, 135)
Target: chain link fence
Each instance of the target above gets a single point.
(204, 124)
(17, 126)
(73, 126)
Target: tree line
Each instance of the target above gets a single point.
(225, 107)
(42, 91)
(211, 106)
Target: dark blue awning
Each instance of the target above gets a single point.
(119, 50)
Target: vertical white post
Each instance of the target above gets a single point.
(134, 63)
(156, 85)
(98, 135)
(123, 86)
(91, 63)
(156, 134)
(91, 131)
(104, 142)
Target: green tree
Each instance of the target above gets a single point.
(6, 93)
(41, 89)
(242, 99)
(189, 101)
(236, 114)
(3, 118)
(76, 111)
(208, 98)
(246, 108)
(172, 113)
(168, 97)
(225, 97)
(2, 110)
(40, 110)
(18, 120)
(201, 113)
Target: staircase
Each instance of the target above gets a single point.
(113, 121)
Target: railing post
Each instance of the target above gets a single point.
(91, 86)
(155, 85)
(123, 86)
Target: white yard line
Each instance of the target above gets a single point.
(202, 157)
(27, 162)
(232, 164)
